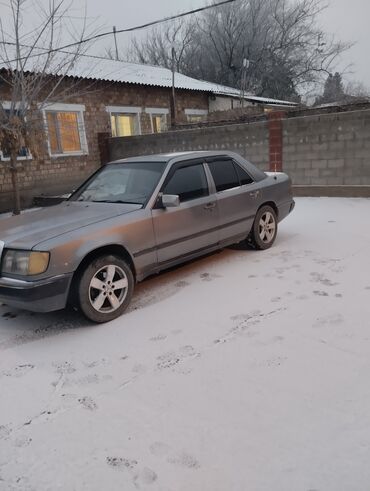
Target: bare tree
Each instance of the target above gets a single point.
(337, 93)
(156, 47)
(281, 38)
(357, 90)
(33, 75)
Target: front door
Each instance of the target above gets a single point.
(191, 227)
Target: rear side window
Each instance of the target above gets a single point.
(188, 182)
(224, 174)
(244, 177)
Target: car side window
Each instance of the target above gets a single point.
(243, 175)
(188, 183)
(224, 174)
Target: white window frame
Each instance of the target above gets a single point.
(74, 108)
(125, 110)
(7, 105)
(156, 111)
(196, 112)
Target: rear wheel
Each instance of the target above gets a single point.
(105, 288)
(264, 230)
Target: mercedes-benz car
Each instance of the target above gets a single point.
(132, 219)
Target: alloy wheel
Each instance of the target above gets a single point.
(267, 227)
(108, 289)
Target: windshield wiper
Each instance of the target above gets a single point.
(117, 201)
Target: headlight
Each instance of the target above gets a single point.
(25, 263)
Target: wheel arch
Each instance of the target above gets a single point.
(114, 249)
(272, 204)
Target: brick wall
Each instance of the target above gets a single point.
(275, 124)
(55, 175)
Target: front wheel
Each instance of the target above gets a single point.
(105, 288)
(264, 230)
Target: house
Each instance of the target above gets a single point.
(113, 98)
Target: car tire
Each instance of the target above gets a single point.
(105, 288)
(264, 230)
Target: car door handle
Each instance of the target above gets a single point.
(254, 194)
(210, 206)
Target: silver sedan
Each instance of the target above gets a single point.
(131, 219)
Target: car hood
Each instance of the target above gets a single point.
(31, 228)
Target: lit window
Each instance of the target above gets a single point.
(124, 124)
(125, 121)
(64, 134)
(158, 118)
(66, 130)
(159, 122)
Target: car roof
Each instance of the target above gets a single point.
(175, 156)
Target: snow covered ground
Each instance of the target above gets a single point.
(243, 371)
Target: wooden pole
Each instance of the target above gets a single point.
(173, 95)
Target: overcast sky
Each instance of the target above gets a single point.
(348, 19)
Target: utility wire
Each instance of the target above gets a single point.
(46, 50)
(129, 29)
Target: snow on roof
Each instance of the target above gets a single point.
(266, 100)
(134, 73)
(120, 71)
(94, 68)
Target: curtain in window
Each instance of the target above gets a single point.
(69, 134)
(64, 134)
(123, 124)
(159, 123)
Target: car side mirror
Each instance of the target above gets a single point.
(170, 200)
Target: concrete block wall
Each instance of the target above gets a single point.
(314, 149)
(249, 140)
(328, 149)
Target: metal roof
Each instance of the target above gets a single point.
(134, 73)
(95, 68)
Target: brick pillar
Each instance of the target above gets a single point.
(103, 147)
(276, 140)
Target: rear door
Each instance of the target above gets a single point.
(191, 227)
(237, 198)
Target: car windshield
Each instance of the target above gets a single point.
(131, 182)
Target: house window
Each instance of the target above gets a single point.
(159, 122)
(196, 115)
(124, 124)
(158, 119)
(66, 131)
(125, 121)
(24, 153)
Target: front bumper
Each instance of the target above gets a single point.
(37, 296)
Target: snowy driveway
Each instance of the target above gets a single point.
(243, 371)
